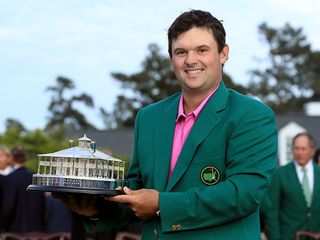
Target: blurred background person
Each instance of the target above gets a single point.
(5, 166)
(21, 211)
(293, 199)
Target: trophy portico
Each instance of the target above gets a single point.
(79, 168)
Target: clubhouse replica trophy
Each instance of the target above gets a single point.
(79, 169)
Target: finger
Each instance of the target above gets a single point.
(119, 199)
(127, 191)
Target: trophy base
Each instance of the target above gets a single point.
(74, 190)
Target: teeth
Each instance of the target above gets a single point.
(194, 71)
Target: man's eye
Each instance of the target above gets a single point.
(180, 52)
(202, 50)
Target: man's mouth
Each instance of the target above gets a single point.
(193, 71)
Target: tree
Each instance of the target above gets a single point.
(153, 83)
(292, 72)
(13, 124)
(34, 142)
(231, 84)
(61, 109)
(13, 133)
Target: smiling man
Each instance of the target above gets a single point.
(203, 158)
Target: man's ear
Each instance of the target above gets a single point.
(224, 54)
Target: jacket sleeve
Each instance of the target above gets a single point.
(272, 211)
(113, 215)
(251, 156)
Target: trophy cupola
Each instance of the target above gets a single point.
(85, 141)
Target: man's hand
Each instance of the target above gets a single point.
(82, 205)
(144, 202)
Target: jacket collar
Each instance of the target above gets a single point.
(207, 120)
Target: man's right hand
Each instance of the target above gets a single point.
(81, 204)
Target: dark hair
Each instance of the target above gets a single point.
(19, 154)
(308, 135)
(196, 18)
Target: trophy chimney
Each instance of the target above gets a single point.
(93, 146)
(71, 143)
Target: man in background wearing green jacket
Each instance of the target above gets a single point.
(293, 200)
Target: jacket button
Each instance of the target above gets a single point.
(176, 227)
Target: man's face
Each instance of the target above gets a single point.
(302, 151)
(196, 60)
(4, 160)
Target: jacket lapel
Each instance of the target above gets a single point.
(294, 180)
(164, 131)
(316, 186)
(207, 120)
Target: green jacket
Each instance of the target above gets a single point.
(286, 210)
(235, 135)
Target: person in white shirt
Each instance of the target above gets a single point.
(293, 199)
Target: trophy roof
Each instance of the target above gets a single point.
(86, 149)
(80, 152)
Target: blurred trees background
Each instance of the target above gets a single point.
(154, 82)
(62, 112)
(289, 77)
(63, 116)
(34, 142)
(292, 72)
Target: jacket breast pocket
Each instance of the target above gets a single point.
(209, 155)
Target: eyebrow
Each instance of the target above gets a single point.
(200, 46)
(204, 45)
(179, 49)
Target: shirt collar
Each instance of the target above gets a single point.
(197, 111)
(308, 166)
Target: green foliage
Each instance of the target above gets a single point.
(13, 134)
(292, 74)
(62, 110)
(13, 124)
(230, 84)
(154, 82)
(34, 142)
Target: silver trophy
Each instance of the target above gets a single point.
(79, 169)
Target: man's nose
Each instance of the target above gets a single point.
(191, 58)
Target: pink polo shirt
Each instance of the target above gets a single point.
(183, 126)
